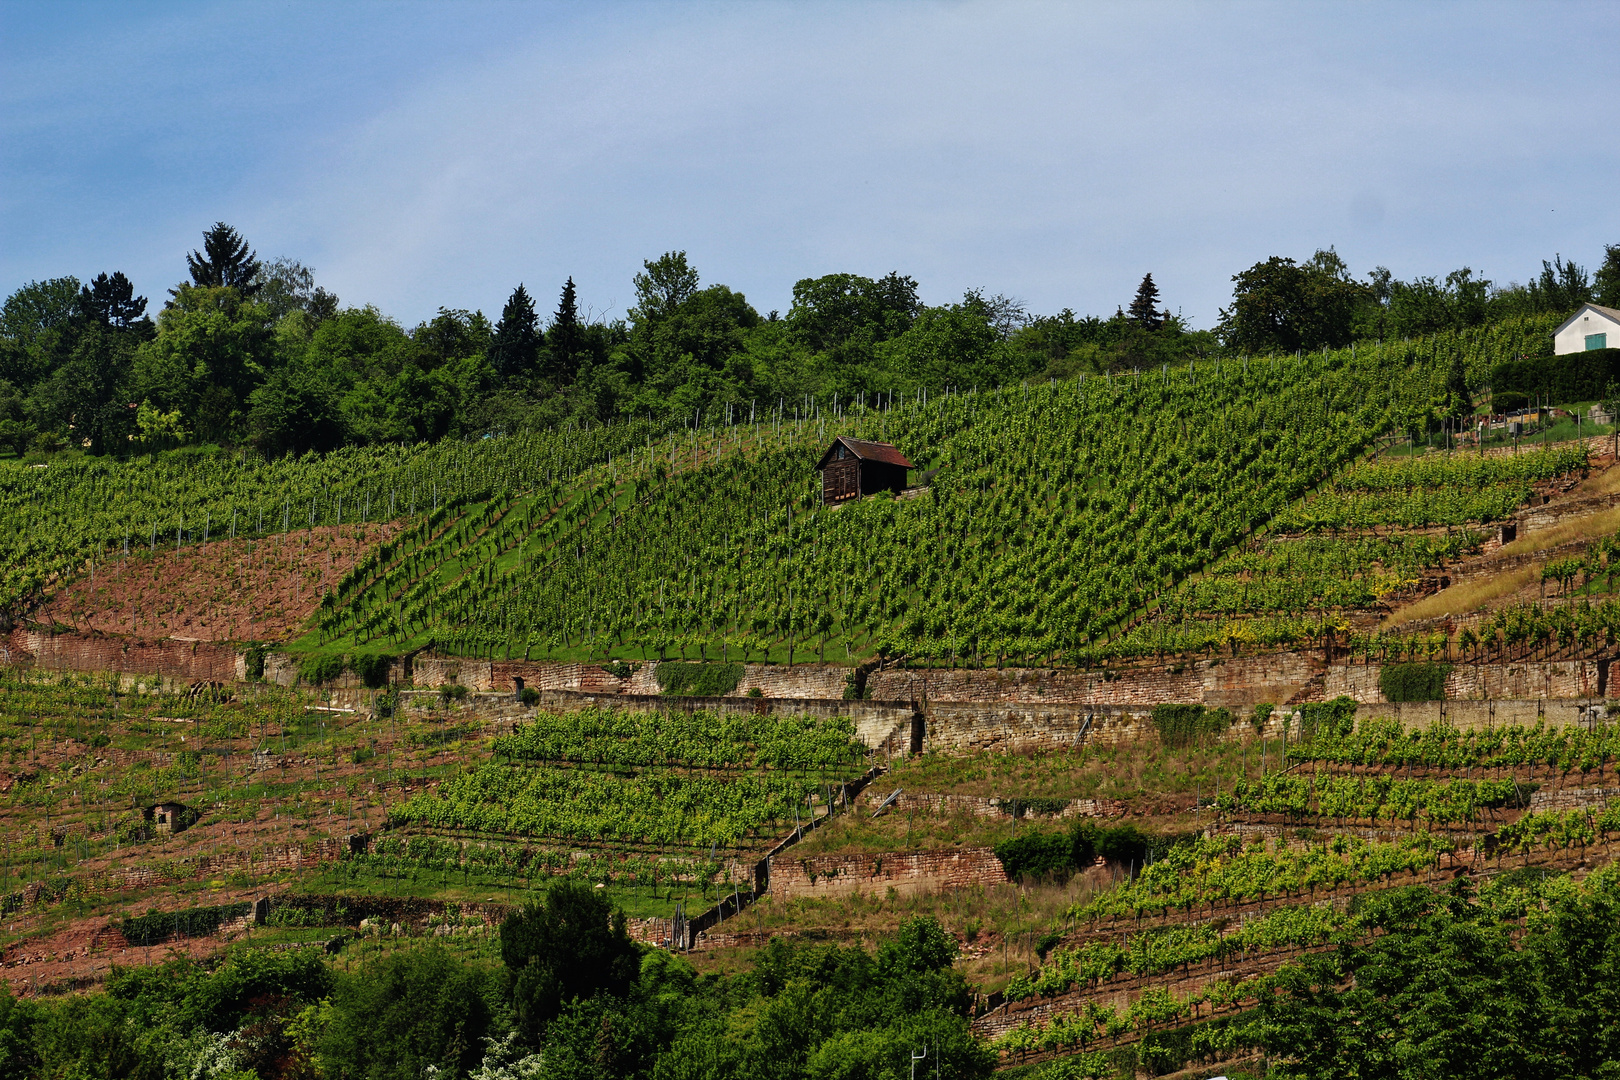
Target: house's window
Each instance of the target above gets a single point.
(841, 449)
(1597, 341)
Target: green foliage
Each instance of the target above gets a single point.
(622, 739)
(1034, 854)
(372, 668)
(697, 680)
(571, 946)
(156, 927)
(408, 1012)
(1468, 988)
(1576, 376)
(1413, 682)
(1224, 868)
(1181, 725)
(1328, 719)
(320, 668)
(1438, 802)
(253, 662)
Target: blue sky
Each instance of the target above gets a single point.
(422, 155)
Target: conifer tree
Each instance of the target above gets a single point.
(515, 345)
(1145, 308)
(224, 261)
(565, 337)
(111, 301)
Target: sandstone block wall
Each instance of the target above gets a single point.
(188, 661)
(982, 806)
(906, 872)
(1518, 681)
(1478, 715)
(1241, 681)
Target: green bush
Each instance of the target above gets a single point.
(156, 927)
(698, 680)
(373, 670)
(1414, 682)
(1059, 854)
(529, 696)
(320, 669)
(1180, 725)
(1037, 854)
(253, 662)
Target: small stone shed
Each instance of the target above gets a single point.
(853, 467)
(168, 818)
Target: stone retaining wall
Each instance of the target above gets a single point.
(982, 805)
(188, 661)
(907, 872)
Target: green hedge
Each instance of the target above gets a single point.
(698, 680)
(1577, 376)
(156, 927)
(1414, 682)
(1035, 854)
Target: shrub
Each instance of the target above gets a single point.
(452, 692)
(1414, 682)
(618, 669)
(156, 927)
(529, 696)
(373, 670)
(1037, 854)
(698, 680)
(253, 662)
(320, 669)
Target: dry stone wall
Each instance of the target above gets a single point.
(983, 806)
(188, 661)
(907, 872)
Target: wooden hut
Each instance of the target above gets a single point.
(851, 468)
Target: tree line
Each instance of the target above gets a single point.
(253, 353)
(569, 995)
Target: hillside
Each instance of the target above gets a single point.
(1156, 707)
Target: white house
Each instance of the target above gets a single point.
(1592, 327)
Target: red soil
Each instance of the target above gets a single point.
(229, 590)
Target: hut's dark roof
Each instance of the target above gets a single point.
(868, 451)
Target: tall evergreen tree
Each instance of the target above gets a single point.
(1606, 282)
(515, 345)
(224, 261)
(1145, 308)
(565, 338)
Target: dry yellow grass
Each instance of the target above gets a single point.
(1606, 482)
(1463, 598)
(1583, 528)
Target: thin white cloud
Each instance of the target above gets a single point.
(1053, 152)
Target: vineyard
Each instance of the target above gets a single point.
(667, 780)
(1047, 519)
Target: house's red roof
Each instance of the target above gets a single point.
(868, 451)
